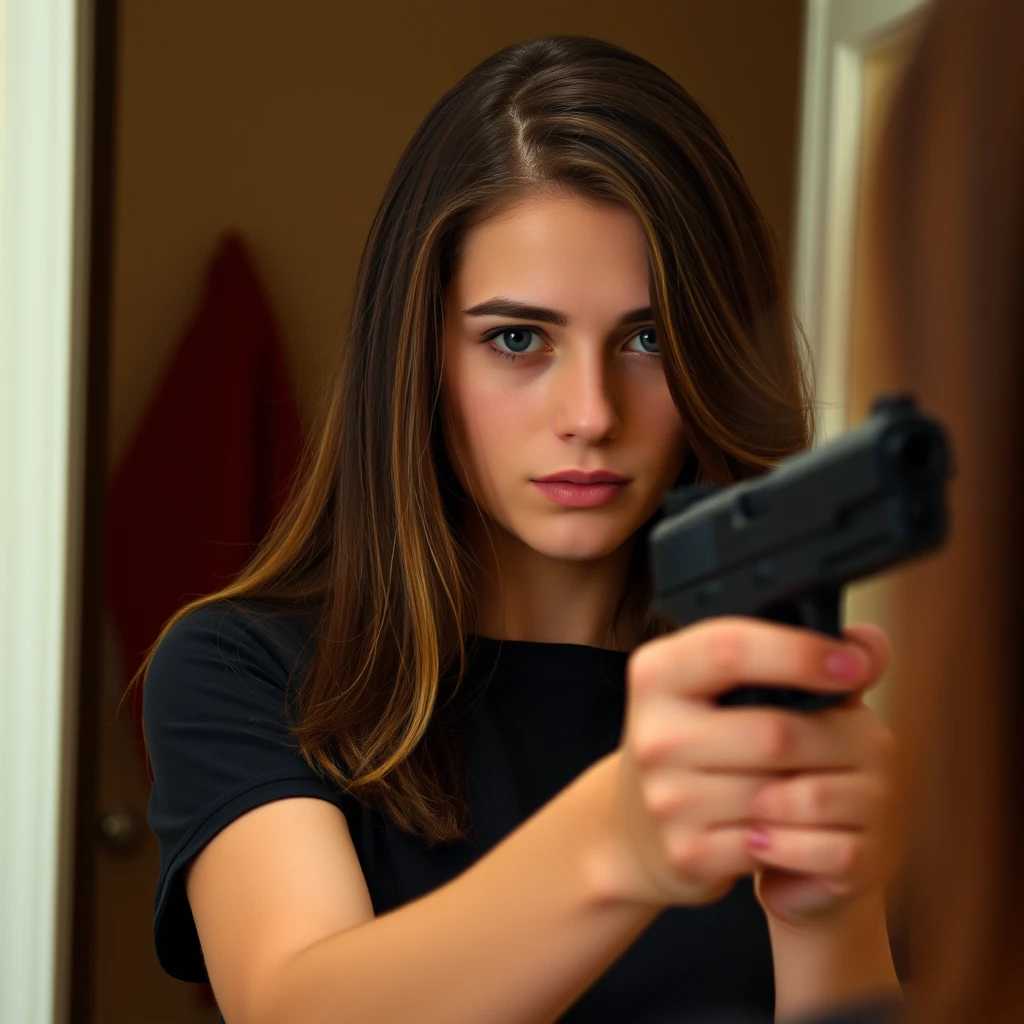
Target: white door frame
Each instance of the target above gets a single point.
(44, 144)
(840, 35)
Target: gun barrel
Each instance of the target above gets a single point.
(863, 503)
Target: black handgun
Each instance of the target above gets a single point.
(783, 545)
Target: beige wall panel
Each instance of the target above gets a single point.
(870, 367)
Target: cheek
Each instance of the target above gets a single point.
(656, 422)
(486, 424)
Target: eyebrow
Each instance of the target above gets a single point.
(501, 306)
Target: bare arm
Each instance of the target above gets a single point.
(843, 959)
(288, 932)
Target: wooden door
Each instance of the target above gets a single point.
(129, 986)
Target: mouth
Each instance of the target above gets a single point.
(578, 489)
(580, 476)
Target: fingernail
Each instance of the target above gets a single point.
(845, 665)
(757, 838)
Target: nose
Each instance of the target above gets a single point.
(583, 401)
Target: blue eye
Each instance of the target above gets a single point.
(648, 342)
(513, 340)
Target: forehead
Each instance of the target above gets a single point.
(555, 250)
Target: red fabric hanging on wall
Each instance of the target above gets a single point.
(209, 465)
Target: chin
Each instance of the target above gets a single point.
(576, 542)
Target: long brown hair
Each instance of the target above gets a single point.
(368, 544)
(950, 258)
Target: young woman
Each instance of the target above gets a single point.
(432, 758)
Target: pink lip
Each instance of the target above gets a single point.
(576, 489)
(579, 476)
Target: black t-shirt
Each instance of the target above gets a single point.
(534, 717)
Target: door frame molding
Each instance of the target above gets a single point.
(839, 37)
(45, 104)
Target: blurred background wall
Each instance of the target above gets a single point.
(285, 120)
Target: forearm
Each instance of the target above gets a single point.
(839, 959)
(516, 938)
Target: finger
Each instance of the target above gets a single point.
(838, 855)
(851, 800)
(710, 861)
(675, 796)
(706, 659)
(876, 643)
(764, 740)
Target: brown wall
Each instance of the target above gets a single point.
(285, 119)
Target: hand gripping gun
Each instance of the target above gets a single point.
(783, 545)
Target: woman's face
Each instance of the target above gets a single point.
(559, 421)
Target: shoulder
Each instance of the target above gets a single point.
(238, 634)
(234, 645)
(220, 678)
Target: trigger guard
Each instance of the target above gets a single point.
(785, 698)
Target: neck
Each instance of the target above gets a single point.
(522, 594)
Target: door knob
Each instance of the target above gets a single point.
(119, 830)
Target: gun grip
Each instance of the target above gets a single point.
(818, 611)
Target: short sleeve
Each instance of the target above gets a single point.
(219, 745)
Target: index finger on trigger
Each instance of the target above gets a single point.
(711, 657)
